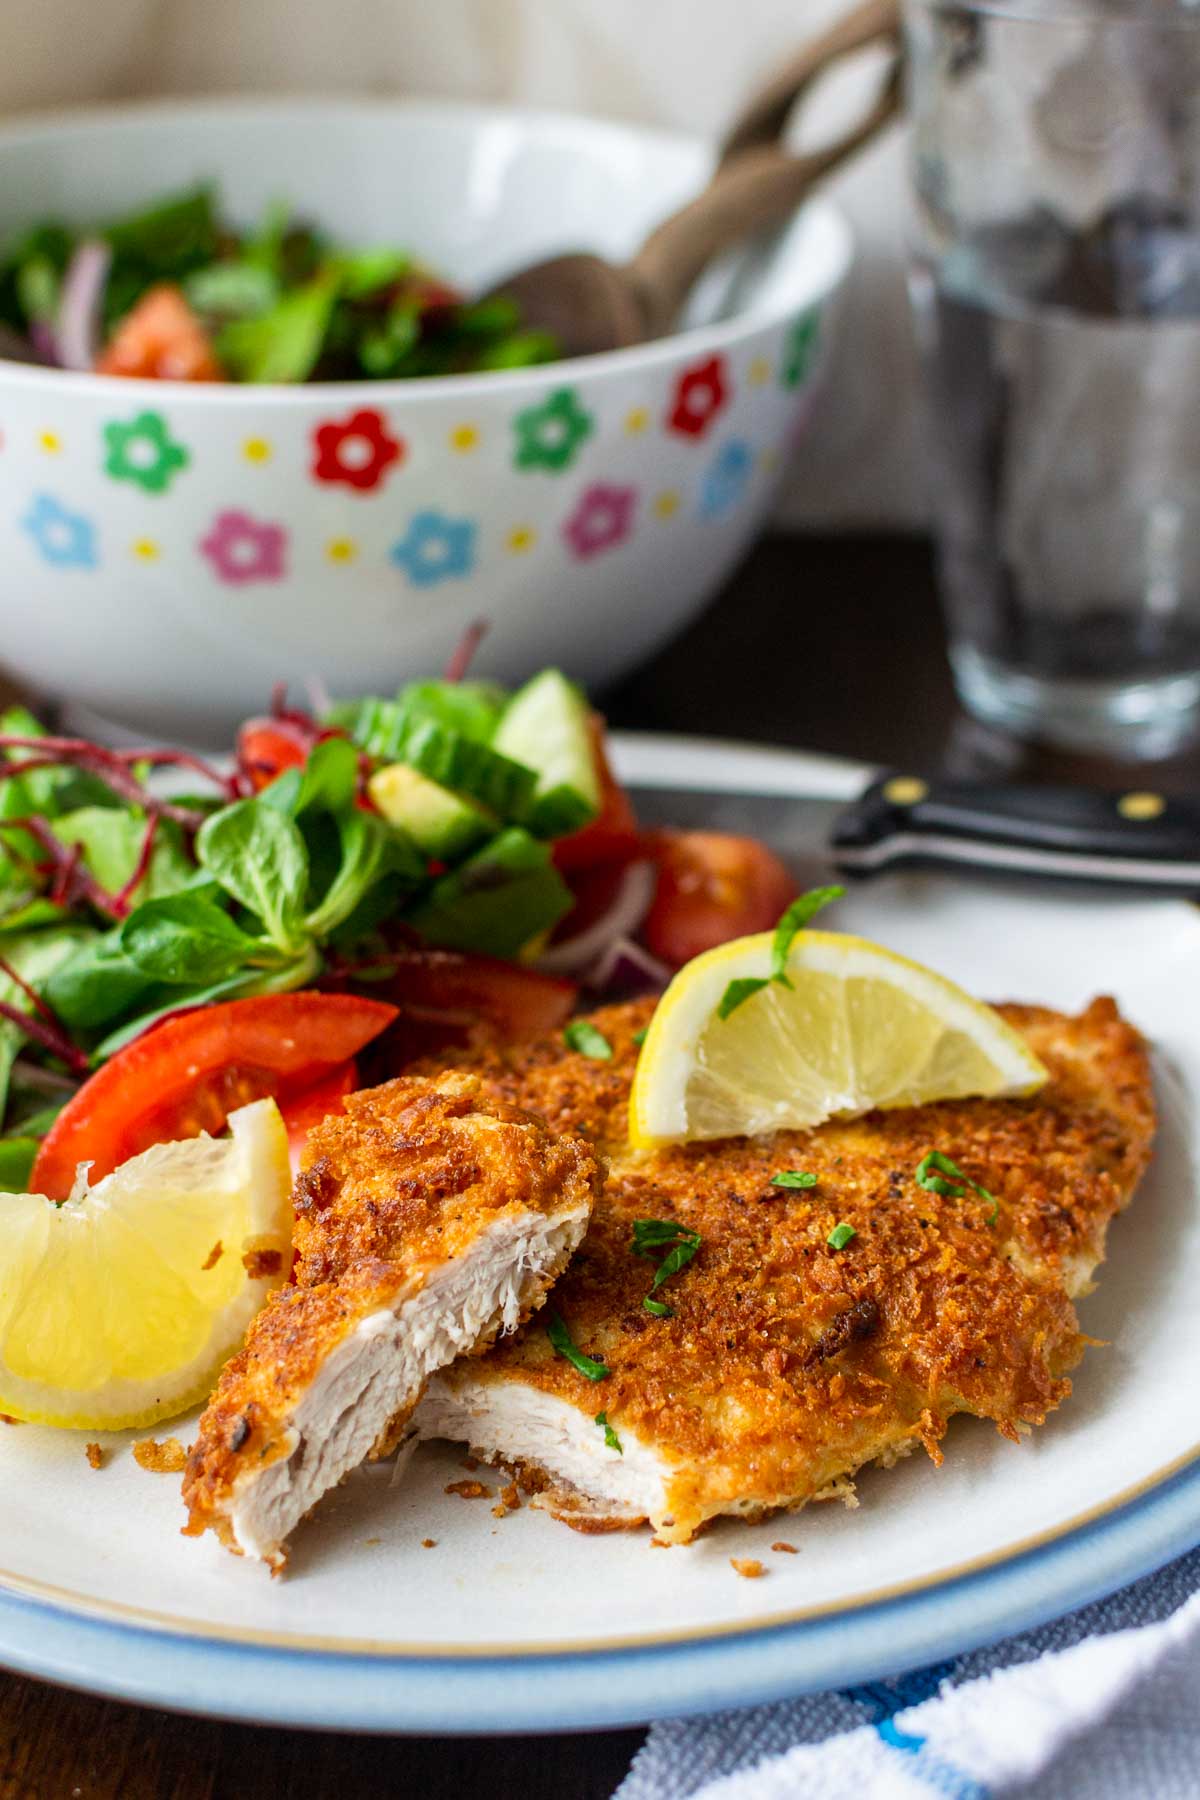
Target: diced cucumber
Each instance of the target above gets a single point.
(440, 823)
(497, 901)
(546, 726)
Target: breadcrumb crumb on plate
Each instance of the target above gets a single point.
(748, 1567)
(166, 1458)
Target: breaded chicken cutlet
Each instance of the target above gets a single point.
(431, 1216)
(788, 1363)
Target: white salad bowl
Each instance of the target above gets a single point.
(168, 551)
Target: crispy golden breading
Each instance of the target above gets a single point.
(416, 1178)
(788, 1364)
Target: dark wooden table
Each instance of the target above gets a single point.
(826, 644)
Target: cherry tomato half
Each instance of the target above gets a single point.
(188, 1074)
(711, 887)
(447, 1000)
(612, 836)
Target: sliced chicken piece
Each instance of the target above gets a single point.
(557, 1447)
(430, 1218)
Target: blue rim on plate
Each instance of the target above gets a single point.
(576, 1690)
(135, 1655)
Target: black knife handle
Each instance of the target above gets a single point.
(1138, 839)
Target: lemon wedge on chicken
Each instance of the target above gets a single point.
(120, 1306)
(857, 1028)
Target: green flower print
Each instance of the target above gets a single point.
(801, 349)
(143, 451)
(549, 436)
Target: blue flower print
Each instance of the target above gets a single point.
(64, 538)
(725, 482)
(435, 548)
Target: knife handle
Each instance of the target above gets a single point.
(1136, 839)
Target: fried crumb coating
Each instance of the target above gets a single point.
(787, 1364)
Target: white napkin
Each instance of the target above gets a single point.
(1104, 1704)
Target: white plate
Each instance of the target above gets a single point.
(518, 1623)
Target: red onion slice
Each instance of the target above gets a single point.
(15, 348)
(630, 905)
(77, 327)
(627, 969)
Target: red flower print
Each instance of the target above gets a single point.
(602, 519)
(356, 451)
(699, 397)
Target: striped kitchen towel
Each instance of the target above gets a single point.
(1101, 1705)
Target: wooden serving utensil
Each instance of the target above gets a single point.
(591, 305)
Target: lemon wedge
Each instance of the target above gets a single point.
(119, 1307)
(859, 1027)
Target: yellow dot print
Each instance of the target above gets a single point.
(666, 504)
(145, 549)
(50, 442)
(769, 460)
(257, 450)
(637, 420)
(341, 550)
(520, 539)
(759, 371)
(464, 439)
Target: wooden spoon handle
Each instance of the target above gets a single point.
(763, 119)
(759, 189)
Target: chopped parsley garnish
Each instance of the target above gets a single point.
(563, 1343)
(680, 1244)
(957, 1186)
(933, 1184)
(659, 1308)
(790, 925)
(840, 1236)
(611, 1440)
(738, 992)
(639, 1037)
(582, 1035)
(793, 1178)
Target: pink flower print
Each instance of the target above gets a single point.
(602, 519)
(243, 549)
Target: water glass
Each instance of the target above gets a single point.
(1056, 285)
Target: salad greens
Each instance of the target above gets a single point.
(281, 302)
(121, 903)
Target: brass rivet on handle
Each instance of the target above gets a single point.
(1141, 806)
(905, 790)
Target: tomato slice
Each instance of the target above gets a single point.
(612, 836)
(711, 887)
(266, 747)
(162, 339)
(446, 1000)
(188, 1074)
(314, 1104)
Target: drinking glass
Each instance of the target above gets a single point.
(1056, 285)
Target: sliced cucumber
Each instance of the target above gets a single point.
(547, 726)
(497, 901)
(387, 730)
(472, 707)
(440, 823)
